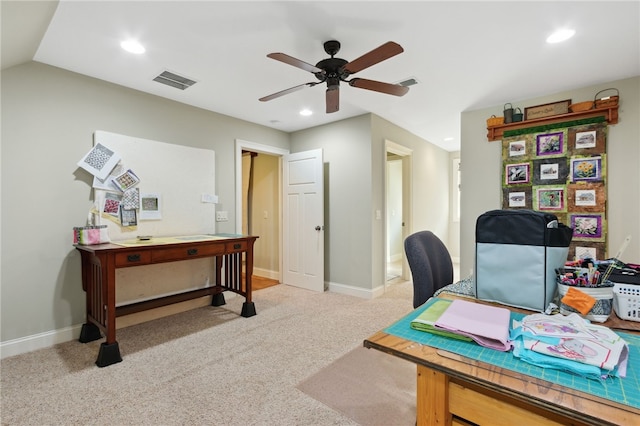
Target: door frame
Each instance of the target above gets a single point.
(241, 145)
(407, 197)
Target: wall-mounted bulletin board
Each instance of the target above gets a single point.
(561, 169)
(168, 182)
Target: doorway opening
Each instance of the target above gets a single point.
(258, 207)
(397, 210)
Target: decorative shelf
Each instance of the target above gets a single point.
(494, 133)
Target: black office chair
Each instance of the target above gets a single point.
(430, 264)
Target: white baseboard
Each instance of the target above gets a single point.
(265, 273)
(44, 340)
(363, 293)
(38, 341)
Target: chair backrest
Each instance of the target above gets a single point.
(430, 264)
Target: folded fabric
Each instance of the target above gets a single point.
(570, 343)
(486, 325)
(426, 320)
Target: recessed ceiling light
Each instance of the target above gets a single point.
(132, 46)
(560, 35)
(306, 112)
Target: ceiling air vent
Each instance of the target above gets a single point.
(174, 80)
(408, 82)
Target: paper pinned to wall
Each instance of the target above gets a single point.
(99, 161)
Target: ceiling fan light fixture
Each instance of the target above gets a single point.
(331, 71)
(133, 46)
(561, 35)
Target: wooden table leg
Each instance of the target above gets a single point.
(109, 350)
(432, 398)
(248, 307)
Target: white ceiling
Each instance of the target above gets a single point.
(465, 55)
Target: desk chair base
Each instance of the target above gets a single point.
(109, 354)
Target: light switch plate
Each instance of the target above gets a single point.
(209, 198)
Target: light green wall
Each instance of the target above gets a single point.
(49, 116)
(346, 149)
(430, 172)
(482, 168)
(48, 119)
(354, 156)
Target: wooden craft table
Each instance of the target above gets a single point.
(99, 264)
(455, 390)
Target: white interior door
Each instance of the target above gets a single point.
(303, 220)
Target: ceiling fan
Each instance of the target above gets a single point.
(334, 70)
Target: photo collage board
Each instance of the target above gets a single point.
(563, 172)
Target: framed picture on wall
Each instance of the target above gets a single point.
(550, 144)
(517, 173)
(586, 139)
(585, 197)
(517, 148)
(550, 199)
(517, 199)
(586, 168)
(587, 226)
(150, 206)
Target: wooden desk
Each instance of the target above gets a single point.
(99, 263)
(455, 390)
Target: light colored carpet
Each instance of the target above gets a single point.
(207, 366)
(368, 386)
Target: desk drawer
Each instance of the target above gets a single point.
(182, 253)
(133, 258)
(236, 246)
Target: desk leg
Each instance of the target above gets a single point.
(248, 307)
(432, 404)
(99, 282)
(89, 332)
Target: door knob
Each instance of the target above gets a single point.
(318, 228)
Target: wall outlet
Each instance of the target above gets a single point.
(222, 216)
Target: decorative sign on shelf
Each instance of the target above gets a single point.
(547, 110)
(561, 171)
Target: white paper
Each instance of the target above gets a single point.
(150, 206)
(107, 184)
(99, 161)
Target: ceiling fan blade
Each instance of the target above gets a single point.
(286, 91)
(295, 62)
(333, 100)
(378, 86)
(378, 54)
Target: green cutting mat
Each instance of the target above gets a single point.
(625, 391)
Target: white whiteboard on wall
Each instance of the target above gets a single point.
(179, 174)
